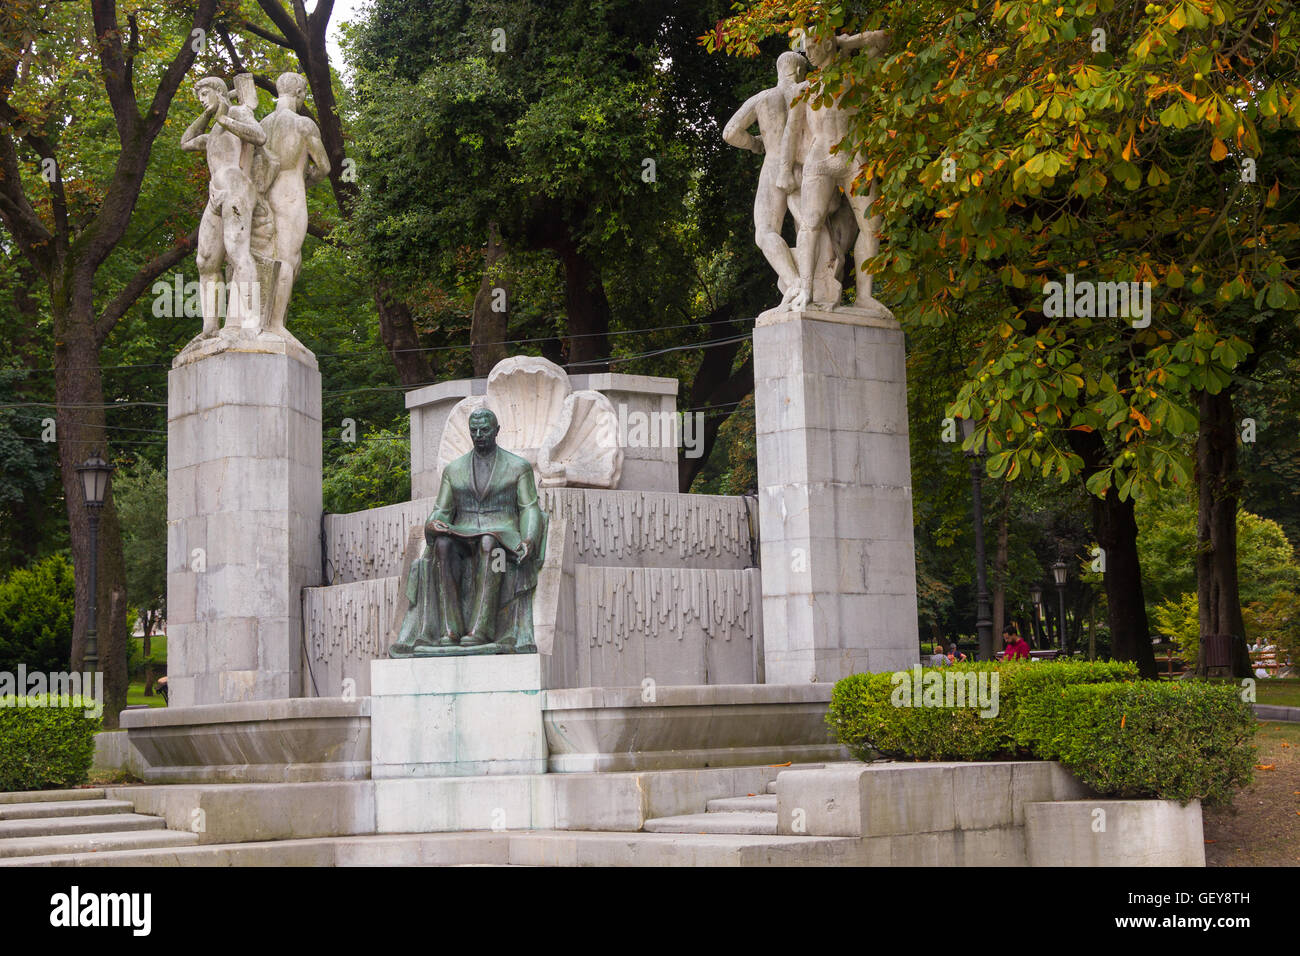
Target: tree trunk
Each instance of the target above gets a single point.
(588, 312)
(80, 431)
(1115, 526)
(491, 319)
(1000, 568)
(1219, 487)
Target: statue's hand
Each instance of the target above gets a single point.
(785, 179)
(756, 144)
(522, 554)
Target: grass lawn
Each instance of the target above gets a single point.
(1284, 691)
(135, 695)
(1262, 827)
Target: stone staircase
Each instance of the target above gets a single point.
(753, 814)
(84, 828)
(46, 823)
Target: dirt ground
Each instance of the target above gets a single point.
(1262, 827)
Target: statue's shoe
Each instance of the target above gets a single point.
(472, 640)
(447, 640)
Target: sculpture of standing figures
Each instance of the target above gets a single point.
(770, 109)
(225, 230)
(299, 162)
(826, 172)
(251, 234)
(804, 174)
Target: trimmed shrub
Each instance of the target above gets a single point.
(46, 747)
(1172, 741)
(36, 616)
(864, 717)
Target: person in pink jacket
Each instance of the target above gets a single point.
(1016, 646)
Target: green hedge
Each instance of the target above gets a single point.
(1120, 736)
(44, 747)
(863, 716)
(1176, 741)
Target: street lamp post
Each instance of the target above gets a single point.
(983, 614)
(94, 472)
(1059, 570)
(1036, 598)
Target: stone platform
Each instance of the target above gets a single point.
(658, 728)
(647, 727)
(300, 739)
(457, 716)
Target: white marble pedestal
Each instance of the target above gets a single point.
(243, 517)
(456, 716)
(835, 494)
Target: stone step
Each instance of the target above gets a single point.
(20, 851)
(58, 826)
(604, 848)
(738, 823)
(514, 848)
(754, 803)
(63, 808)
(42, 796)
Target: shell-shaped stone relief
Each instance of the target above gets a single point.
(570, 438)
(582, 449)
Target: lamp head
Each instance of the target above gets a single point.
(94, 473)
(1059, 571)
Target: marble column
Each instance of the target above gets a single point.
(243, 518)
(835, 496)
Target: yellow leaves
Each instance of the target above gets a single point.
(1265, 766)
(1218, 151)
(1271, 200)
(1005, 330)
(1130, 150)
(1123, 719)
(991, 59)
(1143, 422)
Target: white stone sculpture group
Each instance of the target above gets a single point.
(805, 174)
(251, 235)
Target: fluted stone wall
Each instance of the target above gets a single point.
(615, 528)
(655, 585)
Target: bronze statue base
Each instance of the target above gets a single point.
(448, 650)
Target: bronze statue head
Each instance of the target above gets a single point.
(483, 430)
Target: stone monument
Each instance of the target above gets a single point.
(244, 413)
(835, 505)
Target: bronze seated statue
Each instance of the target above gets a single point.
(471, 591)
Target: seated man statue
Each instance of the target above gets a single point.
(471, 592)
